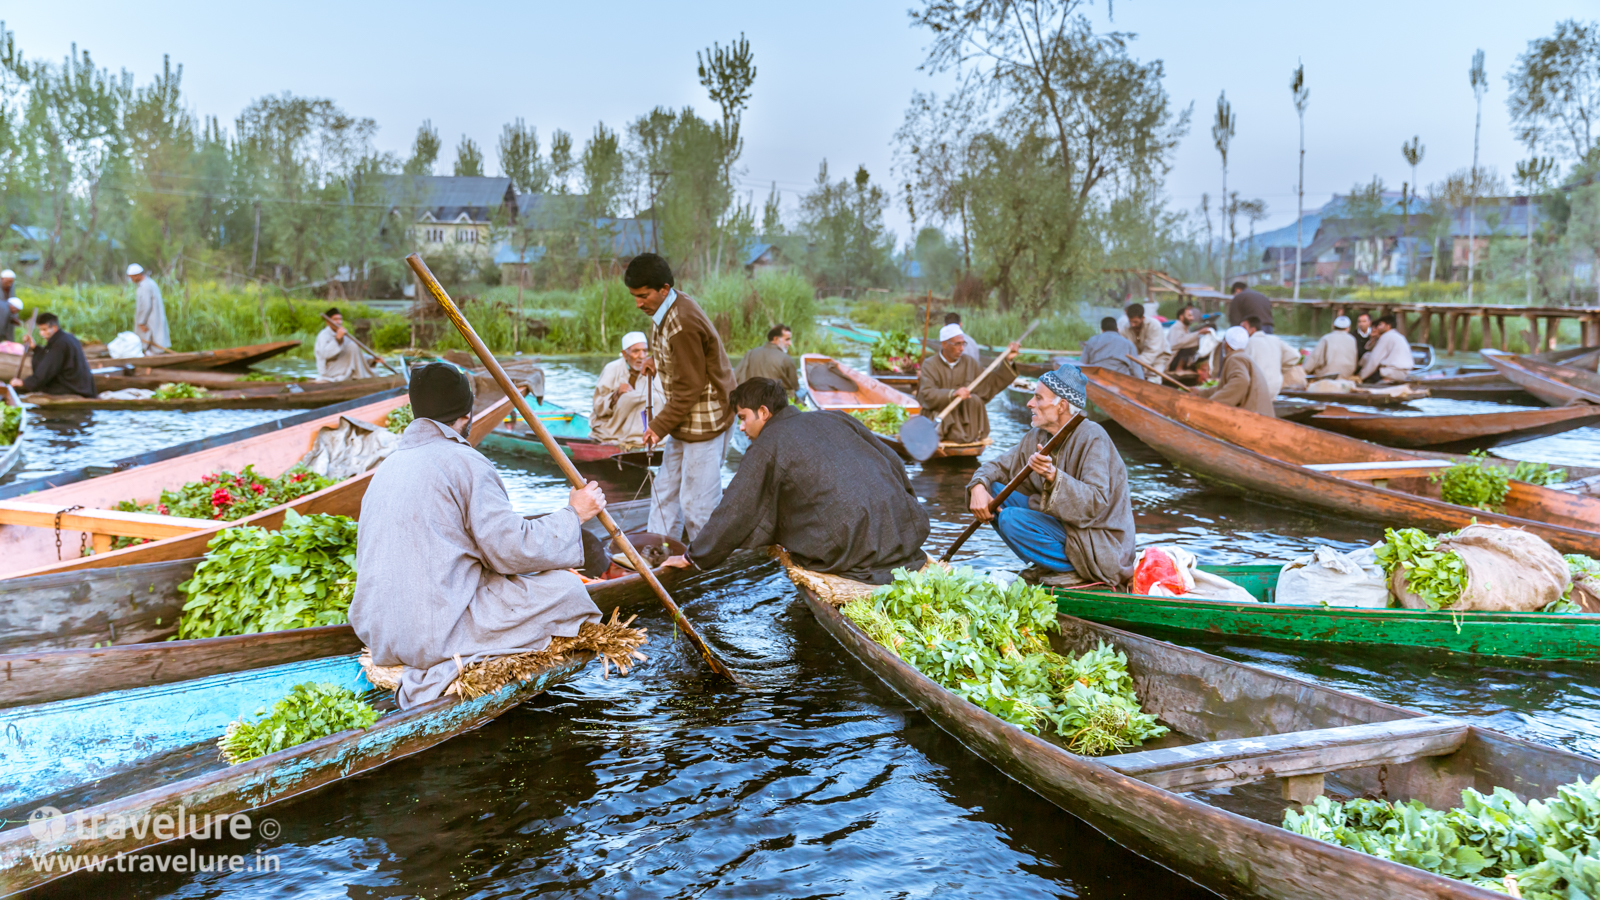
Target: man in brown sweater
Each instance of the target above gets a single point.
(687, 353)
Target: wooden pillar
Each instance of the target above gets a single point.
(1448, 320)
(1552, 325)
(1400, 323)
(1483, 324)
(1531, 334)
(1505, 336)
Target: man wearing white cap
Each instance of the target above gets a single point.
(945, 377)
(149, 312)
(13, 306)
(1335, 354)
(620, 401)
(1241, 383)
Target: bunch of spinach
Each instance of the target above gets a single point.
(1538, 473)
(1438, 577)
(254, 580)
(1474, 483)
(894, 351)
(399, 418)
(10, 424)
(989, 645)
(1550, 849)
(180, 390)
(311, 711)
(884, 419)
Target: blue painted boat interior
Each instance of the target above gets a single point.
(52, 747)
(562, 423)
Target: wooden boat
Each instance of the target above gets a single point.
(870, 393)
(1361, 396)
(1553, 384)
(282, 423)
(1460, 432)
(11, 454)
(225, 358)
(572, 432)
(1274, 461)
(1489, 387)
(148, 755)
(84, 513)
(246, 395)
(1573, 637)
(1206, 800)
(1422, 357)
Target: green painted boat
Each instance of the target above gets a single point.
(1573, 637)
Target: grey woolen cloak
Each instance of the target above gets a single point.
(447, 568)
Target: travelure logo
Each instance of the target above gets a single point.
(47, 824)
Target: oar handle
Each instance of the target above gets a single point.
(1050, 447)
(567, 468)
(362, 347)
(985, 374)
(1155, 371)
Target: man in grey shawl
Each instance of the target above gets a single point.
(1072, 513)
(448, 569)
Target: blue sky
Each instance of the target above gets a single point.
(834, 77)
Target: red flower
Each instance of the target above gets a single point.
(207, 479)
(161, 508)
(298, 477)
(220, 497)
(258, 489)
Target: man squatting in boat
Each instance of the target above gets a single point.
(448, 569)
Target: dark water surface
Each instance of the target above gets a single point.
(814, 780)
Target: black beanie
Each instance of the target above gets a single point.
(441, 392)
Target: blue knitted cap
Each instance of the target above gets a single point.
(1069, 384)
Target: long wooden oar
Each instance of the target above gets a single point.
(365, 349)
(571, 471)
(27, 330)
(1049, 449)
(920, 434)
(1155, 371)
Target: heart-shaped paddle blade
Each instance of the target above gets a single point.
(920, 436)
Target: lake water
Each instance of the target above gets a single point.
(812, 780)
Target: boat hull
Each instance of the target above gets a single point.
(1552, 384)
(264, 395)
(1466, 432)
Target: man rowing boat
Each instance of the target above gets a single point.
(819, 484)
(945, 378)
(338, 357)
(449, 571)
(1073, 513)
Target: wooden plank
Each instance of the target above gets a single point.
(98, 521)
(1367, 471)
(1219, 764)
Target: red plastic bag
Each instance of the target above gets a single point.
(1157, 567)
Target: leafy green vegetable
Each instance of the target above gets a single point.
(1538, 473)
(883, 420)
(399, 418)
(311, 711)
(1550, 848)
(230, 496)
(254, 580)
(1582, 566)
(181, 390)
(10, 424)
(988, 645)
(1473, 483)
(894, 351)
(1437, 577)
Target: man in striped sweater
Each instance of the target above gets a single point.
(687, 353)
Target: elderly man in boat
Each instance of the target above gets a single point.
(1149, 341)
(338, 357)
(1241, 384)
(1389, 357)
(624, 395)
(149, 312)
(946, 377)
(449, 571)
(1110, 350)
(1073, 513)
(818, 484)
(1335, 354)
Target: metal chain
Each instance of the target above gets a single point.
(82, 545)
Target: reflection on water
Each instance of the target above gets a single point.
(812, 780)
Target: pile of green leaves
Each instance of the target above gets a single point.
(1474, 483)
(229, 496)
(399, 418)
(254, 580)
(311, 711)
(1438, 577)
(10, 424)
(895, 351)
(1549, 848)
(268, 376)
(1538, 473)
(884, 420)
(988, 645)
(181, 390)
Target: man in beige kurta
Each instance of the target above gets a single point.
(771, 360)
(945, 377)
(1149, 341)
(1335, 354)
(1273, 358)
(1389, 358)
(448, 569)
(624, 396)
(338, 357)
(1191, 342)
(1241, 384)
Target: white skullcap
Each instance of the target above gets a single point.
(135, 269)
(7, 273)
(950, 331)
(1236, 337)
(16, 303)
(1341, 322)
(633, 337)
